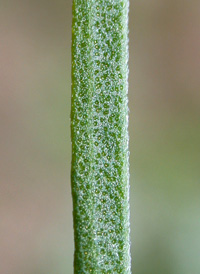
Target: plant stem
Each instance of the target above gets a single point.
(99, 129)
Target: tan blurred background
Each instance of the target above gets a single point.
(36, 235)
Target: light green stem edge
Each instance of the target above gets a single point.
(99, 130)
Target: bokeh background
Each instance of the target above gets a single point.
(36, 235)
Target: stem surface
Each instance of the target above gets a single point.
(99, 129)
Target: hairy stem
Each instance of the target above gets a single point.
(99, 129)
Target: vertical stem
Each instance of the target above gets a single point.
(99, 129)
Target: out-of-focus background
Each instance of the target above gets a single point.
(36, 235)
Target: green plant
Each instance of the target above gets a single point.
(99, 129)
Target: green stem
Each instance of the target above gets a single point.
(99, 129)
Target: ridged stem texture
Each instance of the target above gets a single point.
(99, 129)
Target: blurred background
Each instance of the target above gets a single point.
(36, 235)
